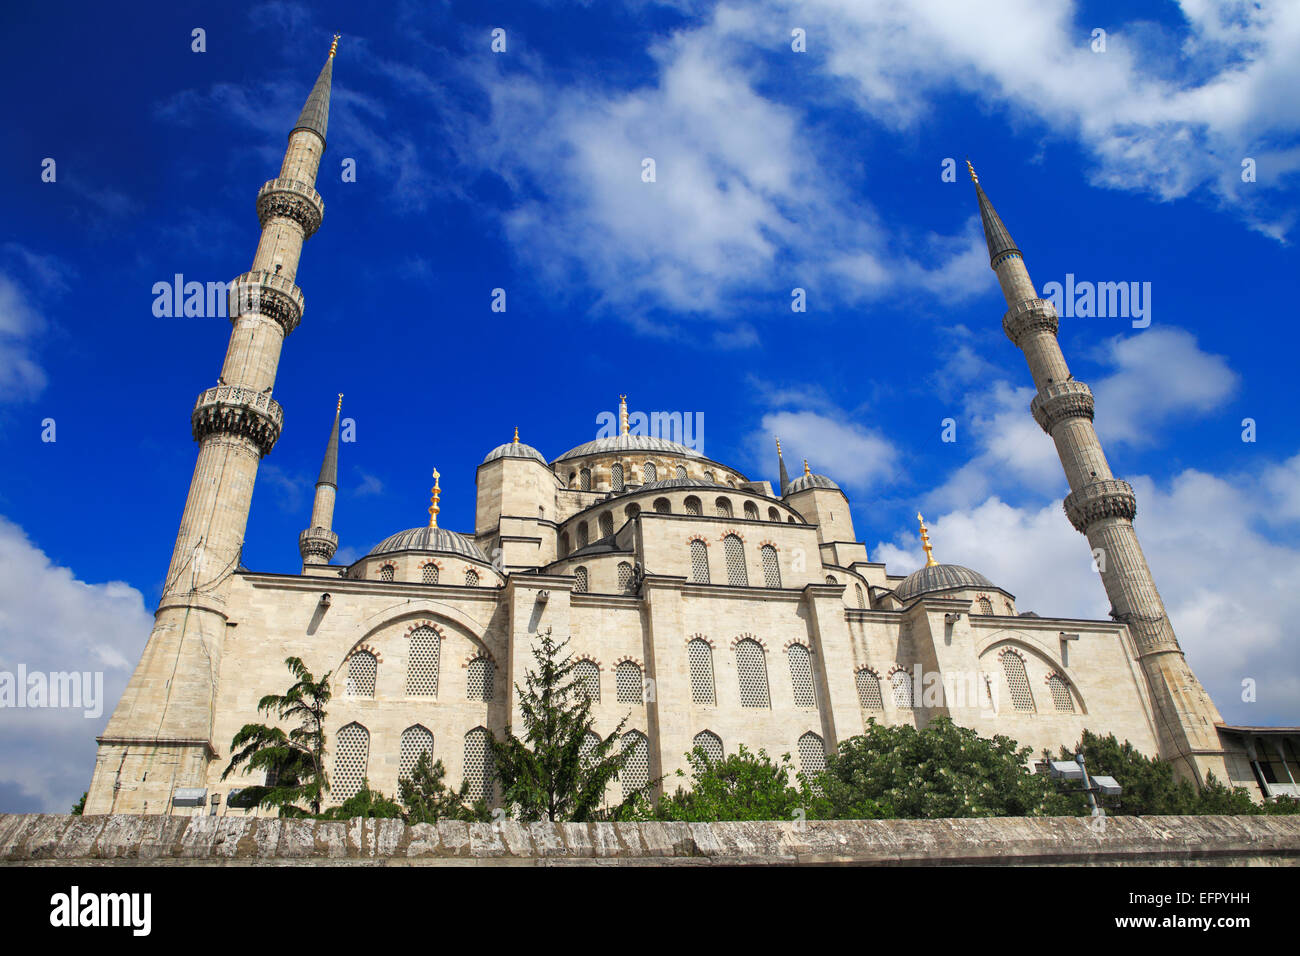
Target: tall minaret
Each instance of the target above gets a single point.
(160, 736)
(785, 476)
(318, 542)
(1102, 507)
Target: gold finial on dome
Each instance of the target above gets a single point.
(622, 414)
(339, 407)
(806, 469)
(973, 178)
(334, 45)
(516, 435)
(437, 493)
(925, 543)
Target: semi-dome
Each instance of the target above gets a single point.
(430, 539)
(514, 449)
(940, 577)
(630, 443)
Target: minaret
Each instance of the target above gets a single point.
(785, 476)
(622, 414)
(1102, 507)
(318, 542)
(160, 735)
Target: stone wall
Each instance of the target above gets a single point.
(161, 840)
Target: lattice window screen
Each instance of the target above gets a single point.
(636, 772)
(1017, 682)
(627, 683)
(662, 507)
(480, 679)
(986, 606)
(471, 578)
(587, 749)
(862, 599)
(801, 676)
(478, 765)
(722, 507)
(582, 535)
(681, 471)
(416, 740)
(649, 472)
(773, 515)
(422, 663)
(869, 690)
(606, 524)
(693, 506)
(902, 684)
(711, 743)
(734, 550)
(588, 678)
(771, 567)
(584, 479)
(624, 575)
(751, 510)
(1062, 699)
(812, 754)
(580, 580)
(362, 667)
(751, 667)
(429, 574)
(616, 476)
(351, 756)
(701, 656)
(386, 573)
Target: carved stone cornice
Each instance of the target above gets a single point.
(1032, 315)
(1057, 402)
(291, 199)
(265, 293)
(1108, 498)
(318, 542)
(235, 410)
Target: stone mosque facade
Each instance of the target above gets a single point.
(708, 608)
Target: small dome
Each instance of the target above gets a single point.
(940, 577)
(804, 482)
(430, 539)
(630, 443)
(514, 449)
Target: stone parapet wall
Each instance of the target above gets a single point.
(163, 840)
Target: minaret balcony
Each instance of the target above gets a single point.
(235, 410)
(291, 199)
(318, 543)
(268, 294)
(1061, 400)
(1032, 315)
(1107, 498)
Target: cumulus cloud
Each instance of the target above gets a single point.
(855, 457)
(50, 621)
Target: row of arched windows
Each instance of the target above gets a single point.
(629, 681)
(422, 665)
(352, 759)
(733, 551)
(811, 747)
(429, 574)
(902, 692)
(620, 474)
(751, 672)
(693, 506)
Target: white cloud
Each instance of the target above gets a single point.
(21, 376)
(855, 457)
(50, 621)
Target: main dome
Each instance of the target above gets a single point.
(430, 539)
(940, 577)
(615, 443)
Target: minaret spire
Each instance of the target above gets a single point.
(318, 542)
(1102, 507)
(925, 544)
(622, 414)
(315, 115)
(785, 476)
(433, 506)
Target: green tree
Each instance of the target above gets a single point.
(79, 807)
(741, 786)
(294, 761)
(427, 799)
(364, 803)
(941, 771)
(545, 775)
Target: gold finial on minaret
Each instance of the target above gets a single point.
(973, 178)
(437, 493)
(806, 469)
(925, 543)
(339, 407)
(334, 45)
(516, 435)
(622, 414)
(778, 446)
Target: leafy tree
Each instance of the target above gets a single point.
(364, 803)
(941, 771)
(545, 775)
(741, 786)
(79, 807)
(427, 799)
(294, 761)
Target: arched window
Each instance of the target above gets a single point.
(862, 599)
(616, 476)
(606, 524)
(649, 472)
(722, 508)
(635, 774)
(582, 534)
(471, 578)
(632, 511)
(773, 515)
(587, 676)
(362, 667)
(902, 684)
(985, 605)
(351, 757)
(1062, 699)
(734, 550)
(584, 479)
(422, 663)
(869, 690)
(386, 573)
(801, 675)
(710, 743)
(480, 679)
(790, 520)
(624, 576)
(564, 544)
(701, 657)
(751, 667)
(587, 749)
(751, 511)
(771, 567)
(478, 765)
(662, 507)
(429, 574)
(830, 579)
(1017, 681)
(627, 683)
(681, 471)
(708, 476)
(1007, 605)
(416, 740)
(812, 755)
(580, 584)
(693, 506)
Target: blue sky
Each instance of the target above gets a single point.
(521, 170)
